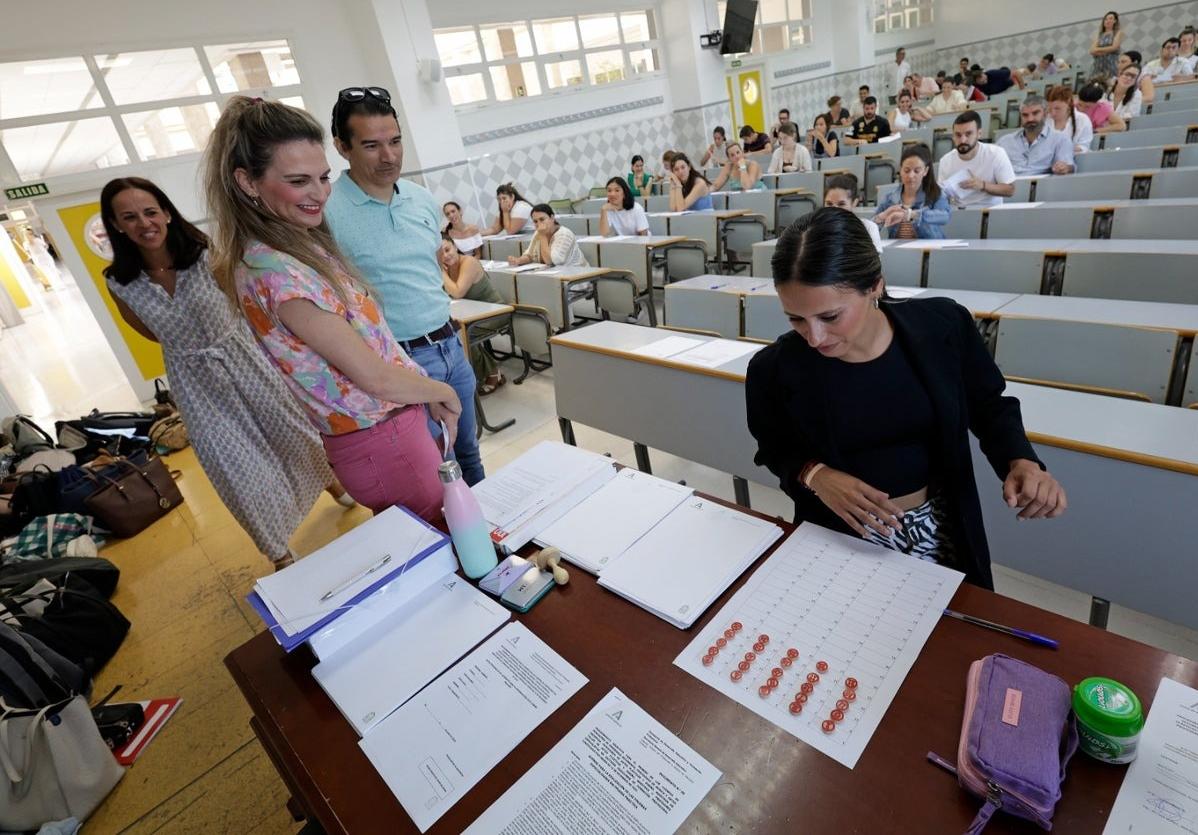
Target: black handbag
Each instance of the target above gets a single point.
(35, 494)
(99, 573)
(139, 422)
(86, 444)
(74, 620)
(162, 395)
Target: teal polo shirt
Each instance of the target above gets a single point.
(394, 246)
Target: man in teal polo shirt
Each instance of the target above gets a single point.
(391, 229)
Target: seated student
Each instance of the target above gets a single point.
(717, 151)
(905, 116)
(639, 179)
(1049, 67)
(465, 236)
(1067, 119)
(515, 213)
(752, 141)
(837, 113)
(738, 173)
(925, 86)
(783, 118)
(964, 83)
(863, 412)
(790, 155)
(621, 214)
(992, 82)
(1037, 148)
(840, 191)
(667, 165)
(1185, 50)
(1099, 110)
(552, 244)
(689, 190)
(948, 100)
(869, 126)
(919, 208)
(1168, 67)
(464, 278)
(821, 139)
(989, 175)
(1125, 93)
(1144, 84)
(858, 107)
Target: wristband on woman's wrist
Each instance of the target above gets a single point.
(808, 473)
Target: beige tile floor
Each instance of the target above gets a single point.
(183, 586)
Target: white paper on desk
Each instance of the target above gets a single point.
(677, 569)
(952, 187)
(935, 243)
(524, 268)
(864, 609)
(381, 669)
(583, 784)
(1160, 790)
(894, 137)
(607, 523)
(554, 271)
(666, 348)
(591, 239)
(717, 352)
(1016, 206)
(434, 749)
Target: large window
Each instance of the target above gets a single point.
(79, 113)
(514, 60)
(781, 24)
(896, 15)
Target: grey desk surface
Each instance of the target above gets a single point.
(977, 302)
(739, 284)
(622, 339)
(1119, 246)
(997, 244)
(647, 241)
(1095, 204)
(1178, 317)
(467, 311)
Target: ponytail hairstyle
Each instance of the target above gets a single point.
(245, 138)
(184, 241)
(448, 225)
(1064, 94)
(829, 247)
(931, 189)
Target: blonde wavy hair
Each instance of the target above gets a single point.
(245, 137)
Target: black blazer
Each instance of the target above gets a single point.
(789, 418)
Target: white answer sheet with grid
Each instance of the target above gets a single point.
(862, 610)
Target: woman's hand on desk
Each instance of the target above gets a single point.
(1036, 493)
(856, 503)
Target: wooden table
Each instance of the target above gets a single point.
(771, 782)
(470, 314)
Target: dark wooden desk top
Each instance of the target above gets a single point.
(771, 783)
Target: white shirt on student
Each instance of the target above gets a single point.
(1131, 109)
(875, 234)
(628, 221)
(1160, 74)
(1083, 132)
(990, 164)
(522, 210)
(800, 161)
(898, 73)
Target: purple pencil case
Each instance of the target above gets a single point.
(1017, 736)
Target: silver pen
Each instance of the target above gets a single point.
(342, 586)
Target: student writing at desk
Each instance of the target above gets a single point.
(621, 214)
(551, 244)
(863, 410)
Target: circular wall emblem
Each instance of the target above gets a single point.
(749, 91)
(96, 237)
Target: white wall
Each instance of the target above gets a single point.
(966, 21)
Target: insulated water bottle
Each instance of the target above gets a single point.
(471, 535)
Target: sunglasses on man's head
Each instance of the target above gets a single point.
(359, 93)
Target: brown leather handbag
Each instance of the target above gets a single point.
(135, 498)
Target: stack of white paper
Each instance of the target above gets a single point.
(667, 347)
(526, 496)
(681, 566)
(717, 352)
(607, 523)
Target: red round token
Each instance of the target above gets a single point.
(721, 642)
(759, 647)
(796, 708)
(850, 695)
(750, 657)
(850, 683)
(713, 650)
(802, 698)
(771, 682)
(764, 691)
(813, 677)
(792, 653)
(736, 626)
(838, 715)
(736, 674)
(828, 726)
(743, 666)
(842, 704)
(728, 633)
(707, 659)
(786, 662)
(822, 666)
(776, 672)
(765, 639)
(806, 687)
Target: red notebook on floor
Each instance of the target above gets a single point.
(157, 712)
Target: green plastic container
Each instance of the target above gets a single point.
(1109, 719)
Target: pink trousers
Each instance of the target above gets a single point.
(393, 462)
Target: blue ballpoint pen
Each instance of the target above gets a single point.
(1009, 630)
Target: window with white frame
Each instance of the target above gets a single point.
(896, 15)
(522, 58)
(79, 113)
(781, 24)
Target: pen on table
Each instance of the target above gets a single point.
(1009, 630)
(344, 584)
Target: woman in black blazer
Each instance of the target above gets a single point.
(864, 410)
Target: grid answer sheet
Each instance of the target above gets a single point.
(820, 638)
